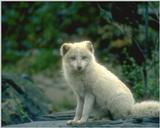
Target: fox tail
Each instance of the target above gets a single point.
(146, 109)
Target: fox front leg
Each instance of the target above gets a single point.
(88, 105)
(78, 112)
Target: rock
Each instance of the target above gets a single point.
(22, 100)
(59, 120)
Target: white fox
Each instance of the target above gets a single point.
(95, 87)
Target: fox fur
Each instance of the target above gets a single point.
(95, 87)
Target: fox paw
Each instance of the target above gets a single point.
(70, 122)
(75, 122)
(80, 122)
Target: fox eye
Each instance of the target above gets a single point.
(72, 57)
(84, 57)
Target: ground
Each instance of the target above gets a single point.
(56, 90)
(59, 120)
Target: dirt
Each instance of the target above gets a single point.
(55, 88)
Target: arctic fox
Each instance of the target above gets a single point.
(95, 87)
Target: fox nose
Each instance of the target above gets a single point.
(79, 68)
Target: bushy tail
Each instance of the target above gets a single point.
(146, 109)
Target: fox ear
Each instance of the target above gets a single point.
(90, 46)
(64, 48)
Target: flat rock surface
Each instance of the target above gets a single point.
(59, 120)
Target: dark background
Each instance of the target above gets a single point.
(125, 36)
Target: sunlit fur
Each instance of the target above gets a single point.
(95, 87)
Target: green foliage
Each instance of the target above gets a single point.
(133, 73)
(35, 61)
(43, 59)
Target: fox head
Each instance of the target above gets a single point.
(77, 55)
